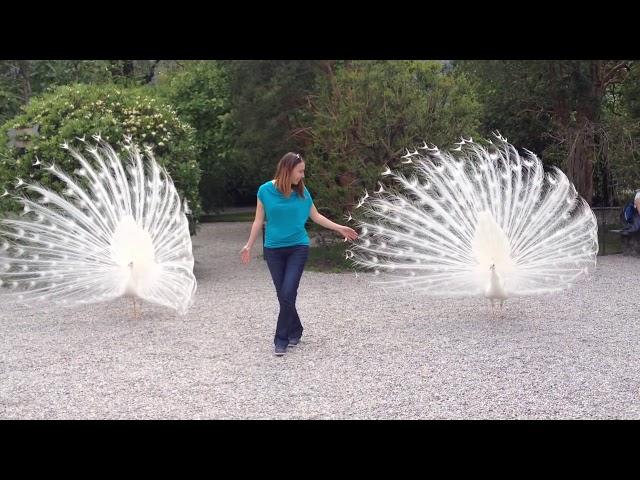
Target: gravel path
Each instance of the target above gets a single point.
(365, 354)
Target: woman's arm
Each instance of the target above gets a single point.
(317, 217)
(245, 253)
(321, 220)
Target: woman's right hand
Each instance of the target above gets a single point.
(245, 254)
(347, 232)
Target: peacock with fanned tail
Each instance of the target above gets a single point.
(117, 229)
(478, 220)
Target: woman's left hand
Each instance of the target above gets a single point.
(347, 232)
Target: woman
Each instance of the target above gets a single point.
(287, 204)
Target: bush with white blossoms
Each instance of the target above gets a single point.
(76, 111)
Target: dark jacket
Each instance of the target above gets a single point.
(634, 226)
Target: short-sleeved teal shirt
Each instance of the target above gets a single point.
(285, 216)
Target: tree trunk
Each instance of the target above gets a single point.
(149, 77)
(581, 158)
(24, 72)
(606, 185)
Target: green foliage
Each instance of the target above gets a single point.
(267, 103)
(347, 118)
(515, 99)
(200, 94)
(328, 258)
(111, 111)
(9, 99)
(533, 102)
(622, 120)
(575, 114)
(630, 92)
(21, 79)
(623, 142)
(366, 113)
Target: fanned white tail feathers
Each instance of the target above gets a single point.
(115, 229)
(441, 228)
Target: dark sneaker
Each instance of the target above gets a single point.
(294, 341)
(280, 351)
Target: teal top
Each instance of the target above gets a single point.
(285, 216)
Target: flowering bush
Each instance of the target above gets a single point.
(77, 111)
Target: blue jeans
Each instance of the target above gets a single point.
(286, 265)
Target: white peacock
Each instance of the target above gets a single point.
(115, 230)
(485, 222)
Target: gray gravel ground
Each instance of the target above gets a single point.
(365, 354)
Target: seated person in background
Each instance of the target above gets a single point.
(634, 224)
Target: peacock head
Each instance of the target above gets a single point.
(130, 265)
(492, 267)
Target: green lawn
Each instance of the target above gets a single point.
(329, 259)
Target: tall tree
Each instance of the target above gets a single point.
(578, 110)
(199, 91)
(555, 106)
(366, 113)
(267, 103)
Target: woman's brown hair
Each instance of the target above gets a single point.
(283, 174)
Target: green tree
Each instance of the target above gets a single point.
(365, 115)
(20, 79)
(560, 105)
(514, 100)
(268, 100)
(621, 139)
(200, 93)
